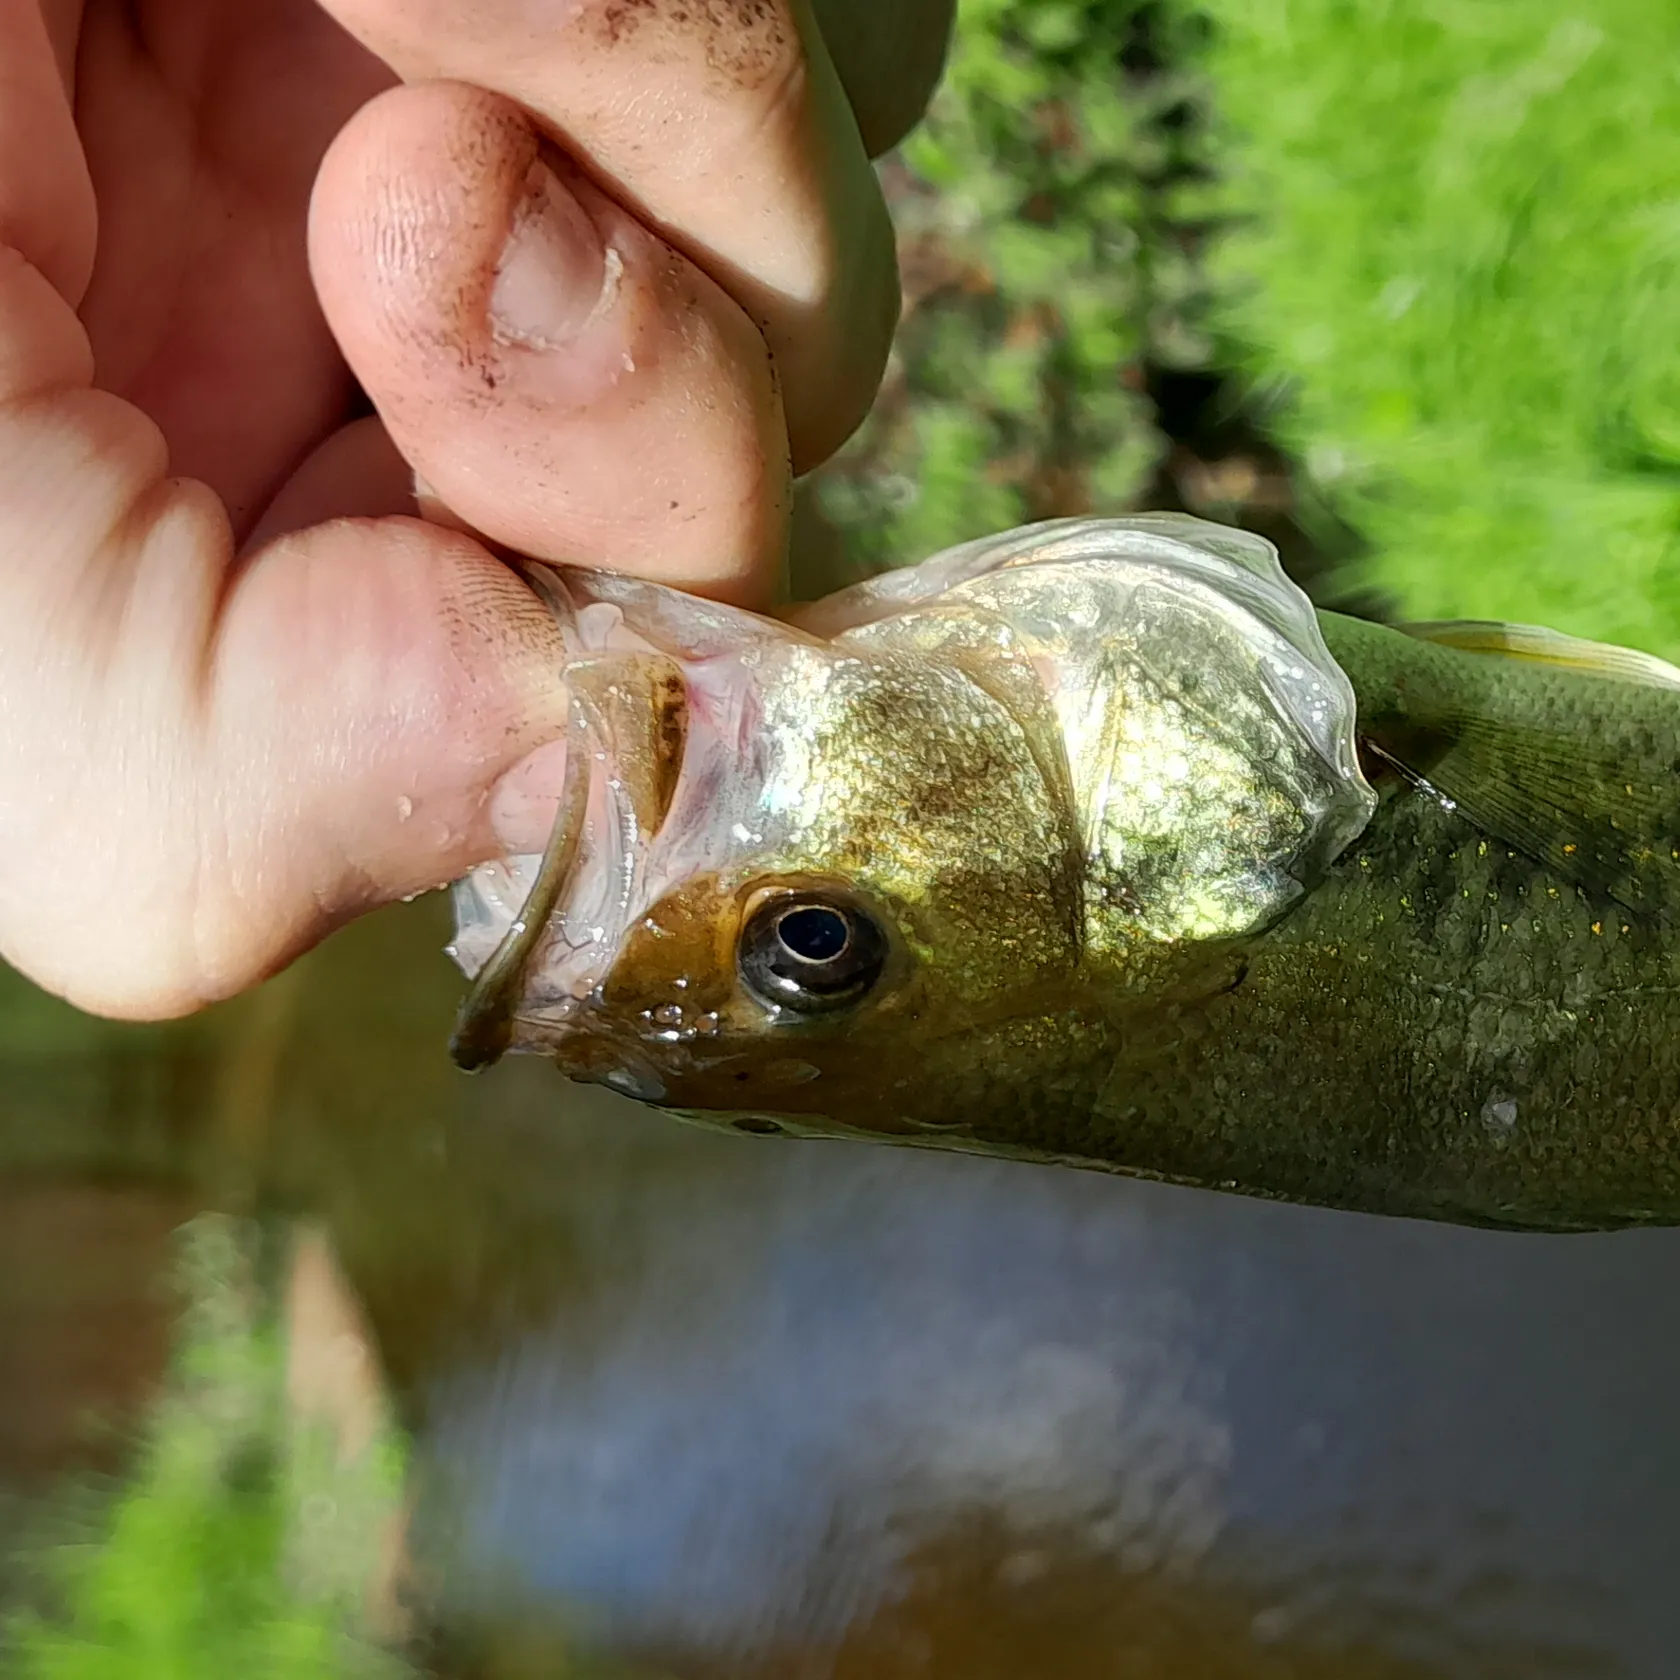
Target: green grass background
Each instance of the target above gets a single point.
(1022, 208)
(1454, 259)
(1436, 241)
(220, 1558)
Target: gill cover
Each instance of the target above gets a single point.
(1188, 724)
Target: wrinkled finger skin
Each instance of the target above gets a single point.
(560, 378)
(600, 300)
(724, 125)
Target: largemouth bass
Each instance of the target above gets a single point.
(1094, 843)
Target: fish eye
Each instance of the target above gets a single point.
(810, 954)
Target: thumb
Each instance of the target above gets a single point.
(206, 765)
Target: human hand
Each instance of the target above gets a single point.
(243, 696)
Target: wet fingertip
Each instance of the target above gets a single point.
(562, 380)
(489, 609)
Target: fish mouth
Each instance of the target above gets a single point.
(658, 716)
(537, 935)
(485, 1022)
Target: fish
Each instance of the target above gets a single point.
(1095, 843)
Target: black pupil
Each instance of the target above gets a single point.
(810, 955)
(814, 933)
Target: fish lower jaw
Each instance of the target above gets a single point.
(585, 1055)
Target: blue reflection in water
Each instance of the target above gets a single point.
(786, 1366)
(1458, 1405)
(819, 1363)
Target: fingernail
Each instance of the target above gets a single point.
(552, 271)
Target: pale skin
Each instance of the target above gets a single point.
(610, 272)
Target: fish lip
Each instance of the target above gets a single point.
(600, 903)
(595, 905)
(610, 887)
(586, 1042)
(590, 1052)
(485, 1021)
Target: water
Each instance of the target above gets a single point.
(711, 1405)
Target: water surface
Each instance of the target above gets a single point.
(715, 1405)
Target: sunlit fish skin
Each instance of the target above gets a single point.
(1093, 843)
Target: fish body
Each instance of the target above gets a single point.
(1455, 1025)
(1094, 843)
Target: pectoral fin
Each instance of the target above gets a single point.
(1584, 779)
(1586, 815)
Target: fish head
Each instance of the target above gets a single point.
(816, 858)
(964, 823)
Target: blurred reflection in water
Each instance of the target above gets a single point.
(740, 1407)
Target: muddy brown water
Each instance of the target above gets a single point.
(726, 1406)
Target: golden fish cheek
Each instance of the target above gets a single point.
(679, 957)
(784, 995)
(847, 1079)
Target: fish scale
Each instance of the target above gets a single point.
(1438, 1031)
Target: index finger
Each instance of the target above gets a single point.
(725, 128)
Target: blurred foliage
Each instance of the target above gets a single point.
(191, 1576)
(1013, 390)
(1452, 267)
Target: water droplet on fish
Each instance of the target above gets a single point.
(405, 807)
(1499, 1114)
(634, 1083)
(668, 1014)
